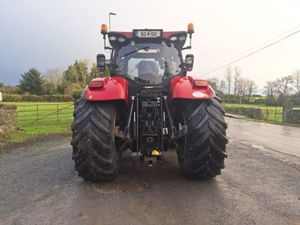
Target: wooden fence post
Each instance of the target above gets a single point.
(285, 108)
(56, 112)
(37, 113)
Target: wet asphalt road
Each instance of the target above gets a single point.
(260, 185)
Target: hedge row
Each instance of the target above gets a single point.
(36, 98)
(235, 100)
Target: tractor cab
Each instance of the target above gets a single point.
(148, 57)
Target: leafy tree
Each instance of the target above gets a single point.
(77, 73)
(94, 72)
(49, 88)
(105, 73)
(71, 75)
(82, 72)
(31, 82)
(76, 77)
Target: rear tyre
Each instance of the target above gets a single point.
(93, 141)
(201, 153)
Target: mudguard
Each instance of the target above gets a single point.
(114, 88)
(182, 87)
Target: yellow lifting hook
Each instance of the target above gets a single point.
(155, 152)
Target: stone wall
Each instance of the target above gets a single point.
(292, 116)
(8, 118)
(254, 113)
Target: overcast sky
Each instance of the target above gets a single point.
(53, 33)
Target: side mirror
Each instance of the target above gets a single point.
(101, 62)
(189, 62)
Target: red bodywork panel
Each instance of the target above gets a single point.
(115, 88)
(182, 87)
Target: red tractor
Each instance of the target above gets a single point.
(149, 105)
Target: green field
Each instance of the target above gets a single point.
(39, 118)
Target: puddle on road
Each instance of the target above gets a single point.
(138, 177)
(132, 179)
(121, 186)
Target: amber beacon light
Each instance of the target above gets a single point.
(190, 29)
(104, 29)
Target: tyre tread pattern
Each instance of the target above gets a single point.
(93, 144)
(202, 156)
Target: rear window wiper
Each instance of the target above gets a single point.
(136, 50)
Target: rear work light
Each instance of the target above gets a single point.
(96, 84)
(200, 83)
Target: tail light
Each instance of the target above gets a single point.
(96, 84)
(201, 83)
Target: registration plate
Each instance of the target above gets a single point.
(148, 33)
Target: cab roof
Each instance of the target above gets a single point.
(119, 38)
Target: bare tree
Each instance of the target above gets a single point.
(239, 85)
(214, 82)
(54, 76)
(249, 87)
(270, 88)
(222, 86)
(296, 76)
(228, 77)
(236, 77)
(283, 86)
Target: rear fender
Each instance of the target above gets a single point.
(114, 89)
(182, 87)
